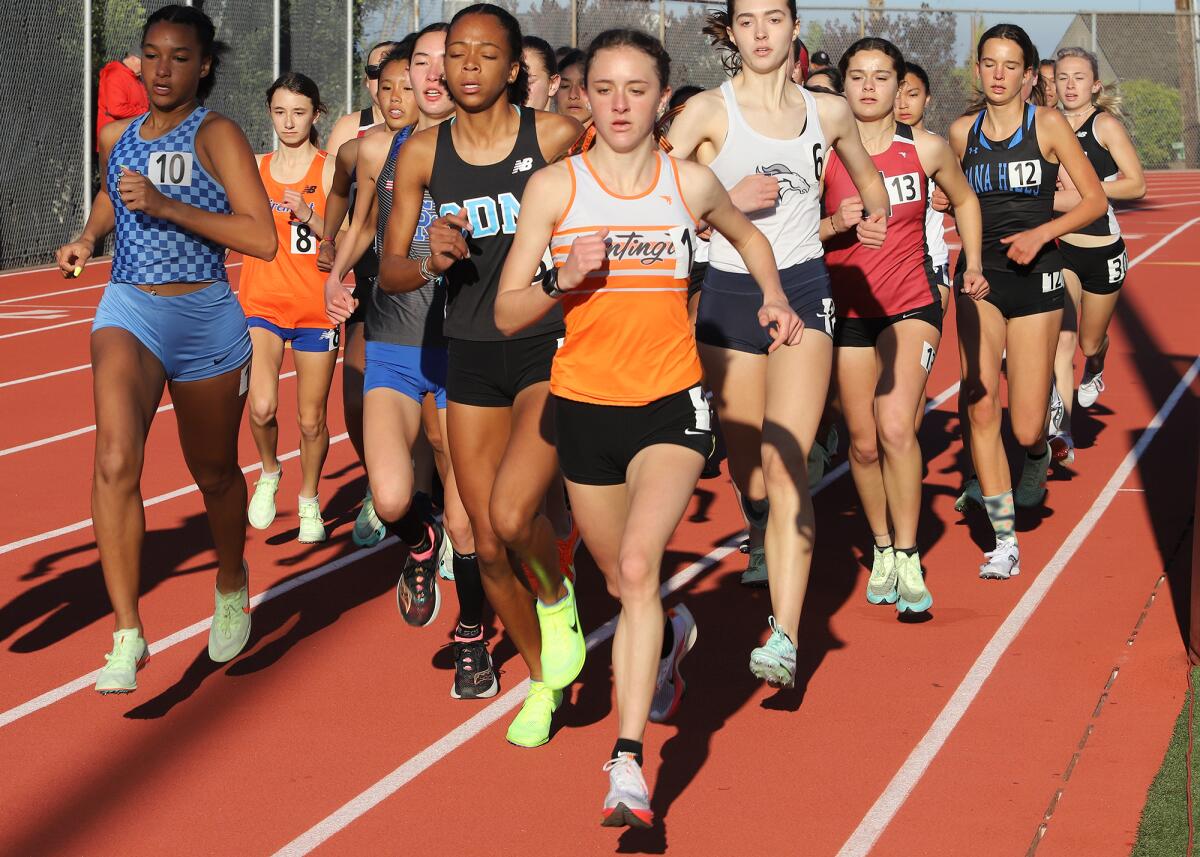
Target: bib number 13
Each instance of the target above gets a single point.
(170, 168)
(304, 242)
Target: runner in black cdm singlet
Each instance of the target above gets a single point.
(475, 168)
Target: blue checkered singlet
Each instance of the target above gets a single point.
(150, 251)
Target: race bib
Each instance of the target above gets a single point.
(304, 242)
(172, 169)
(1024, 173)
(903, 188)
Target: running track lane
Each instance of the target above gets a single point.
(394, 712)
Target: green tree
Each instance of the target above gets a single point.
(1155, 122)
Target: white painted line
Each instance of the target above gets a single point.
(44, 329)
(880, 815)
(67, 435)
(1161, 241)
(153, 501)
(438, 750)
(25, 314)
(28, 298)
(45, 375)
(52, 696)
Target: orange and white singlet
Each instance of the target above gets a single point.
(628, 338)
(289, 291)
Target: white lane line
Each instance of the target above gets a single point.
(52, 696)
(438, 750)
(46, 441)
(27, 298)
(153, 501)
(45, 375)
(880, 815)
(46, 328)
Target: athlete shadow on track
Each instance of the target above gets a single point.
(303, 611)
(73, 600)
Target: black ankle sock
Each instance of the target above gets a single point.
(668, 638)
(907, 551)
(468, 632)
(624, 745)
(1039, 455)
(412, 529)
(469, 587)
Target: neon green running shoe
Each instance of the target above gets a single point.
(230, 627)
(563, 648)
(262, 505)
(775, 661)
(312, 528)
(914, 597)
(368, 529)
(129, 654)
(531, 726)
(881, 586)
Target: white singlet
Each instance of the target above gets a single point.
(935, 234)
(793, 225)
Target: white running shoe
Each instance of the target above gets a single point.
(231, 622)
(1031, 490)
(312, 528)
(669, 686)
(368, 529)
(627, 803)
(1057, 411)
(262, 505)
(1090, 388)
(1003, 562)
(446, 556)
(129, 654)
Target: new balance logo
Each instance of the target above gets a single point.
(667, 198)
(524, 165)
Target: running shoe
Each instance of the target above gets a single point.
(1003, 562)
(563, 647)
(312, 528)
(914, 597)
(531, 727)
(1031, 489)
(474, 676)
(446, 557)
(756, 572)
(775, 661)
(881, 585)
(230, 627)
(628, 801)
(261, 512)
(818, 463)
(971, 494)
(1062, 448)
(368, 529)
(567, 548)
(669, 686)
(129, 654)
(1057, 411)
(417, 595)
(1090, 388)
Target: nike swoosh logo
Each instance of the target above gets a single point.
(574, 626)
(691, 431)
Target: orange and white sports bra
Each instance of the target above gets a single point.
(628, 339)
(289, 291)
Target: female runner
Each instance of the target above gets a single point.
(571, 98)
(632, 425)
(766, 140)
(889, 315)
(1011, 152)
(1095, 257)
(475, 168)
(544, 79)
(179, 187)
(284, 301)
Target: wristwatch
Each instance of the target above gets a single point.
(550, 284)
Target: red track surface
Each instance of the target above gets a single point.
(335, 693)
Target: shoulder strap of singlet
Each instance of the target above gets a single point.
(366, 118)
(905, 132)
(1089, 123)
(264, 167)
(527, 131)
(196, 120)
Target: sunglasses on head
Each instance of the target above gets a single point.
(373, 71)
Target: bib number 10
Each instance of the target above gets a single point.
(170, 169)
(304, 242)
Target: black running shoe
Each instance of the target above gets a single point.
(474, 676)
(417, 594)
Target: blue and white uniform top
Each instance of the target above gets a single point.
(151, 251)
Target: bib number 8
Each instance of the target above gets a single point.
(304, 243)
(170, 169)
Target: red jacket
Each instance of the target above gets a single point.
(120, 96)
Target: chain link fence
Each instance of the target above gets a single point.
(51, 47)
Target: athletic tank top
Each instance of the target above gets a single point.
(867, 282)
(935, 233)
(150, 251)
(629, 341)
(490, 196)
(289, 291)
(366, 269)
(366, 121)
(405, 318)
(1106, 168)
(793, 225)
(1015, 186)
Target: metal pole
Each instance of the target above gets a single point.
(574, 23)
(349, 56)
(662, 21)
(88, 126)
(275, 39)
(1095, 36)
(416, 15)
